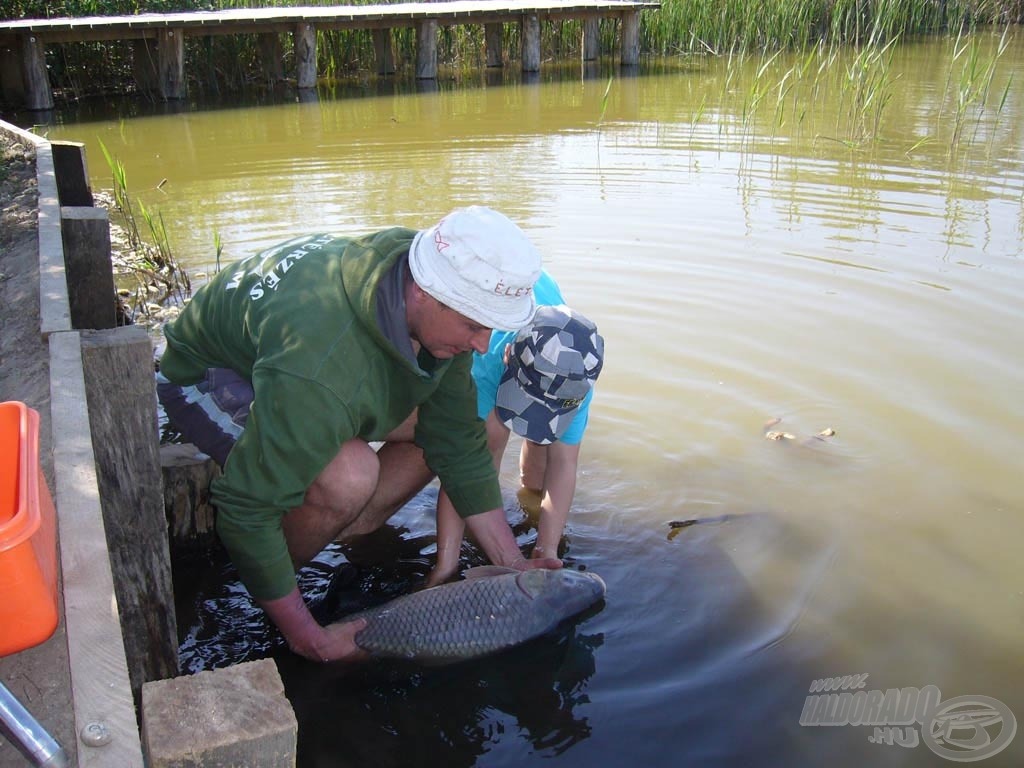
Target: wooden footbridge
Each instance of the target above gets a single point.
(159, 54)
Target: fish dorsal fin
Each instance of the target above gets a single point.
(487, 571)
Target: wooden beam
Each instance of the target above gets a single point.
(305, 55)
(73, 187)
(170, 44)
(426, 49)
(118, 368)
(494, 43)
(85, 232)
(100, 688)
(531, 43)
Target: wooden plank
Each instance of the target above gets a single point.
(92, 296)
(54, 308)
(73, 187)
(100, 687)
(120, 390)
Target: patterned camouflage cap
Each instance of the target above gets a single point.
(552, 366)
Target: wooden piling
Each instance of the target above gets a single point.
(426, 49)
(170, 45)
(191, 518)
(590, 46)
(272, 56)
(494, 43)
(305, 55)
(38, 96)
(118, 370)
(384, 51)
(531, 43)
(630, 55)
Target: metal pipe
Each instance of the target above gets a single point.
(25, 732)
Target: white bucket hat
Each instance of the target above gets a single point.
(478, 262)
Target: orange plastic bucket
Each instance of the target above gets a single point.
(28, 535)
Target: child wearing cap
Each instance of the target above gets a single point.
(537, 382)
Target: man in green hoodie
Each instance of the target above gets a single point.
(287, 365)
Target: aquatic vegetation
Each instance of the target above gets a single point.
(149, 267)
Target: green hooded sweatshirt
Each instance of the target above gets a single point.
(299, 320)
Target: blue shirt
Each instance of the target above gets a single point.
(489, 367)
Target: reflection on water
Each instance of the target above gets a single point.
(745, 262)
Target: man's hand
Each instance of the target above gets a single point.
(306, 637)
(339, 642)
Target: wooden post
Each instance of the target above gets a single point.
(101, 690)
(531, 43)
(426, 49)
(190, 515)
(118, 369)
(272, 55)
(91, 293)
(630, 38)
(591, 46)
(384, 51)
(12, 79)
(170, 44)
(73, 186)
(305, 55)
(38, 96)
(144, 65)
(494, 44)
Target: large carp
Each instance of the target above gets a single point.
(491, 609)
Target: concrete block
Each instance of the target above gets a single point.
(237, 717)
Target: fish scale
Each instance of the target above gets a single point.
(477, 616)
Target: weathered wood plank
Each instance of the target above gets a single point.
(120, 390)
(73, 187)
(91, 294)
(100, 686)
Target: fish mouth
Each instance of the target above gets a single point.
(599, 580)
